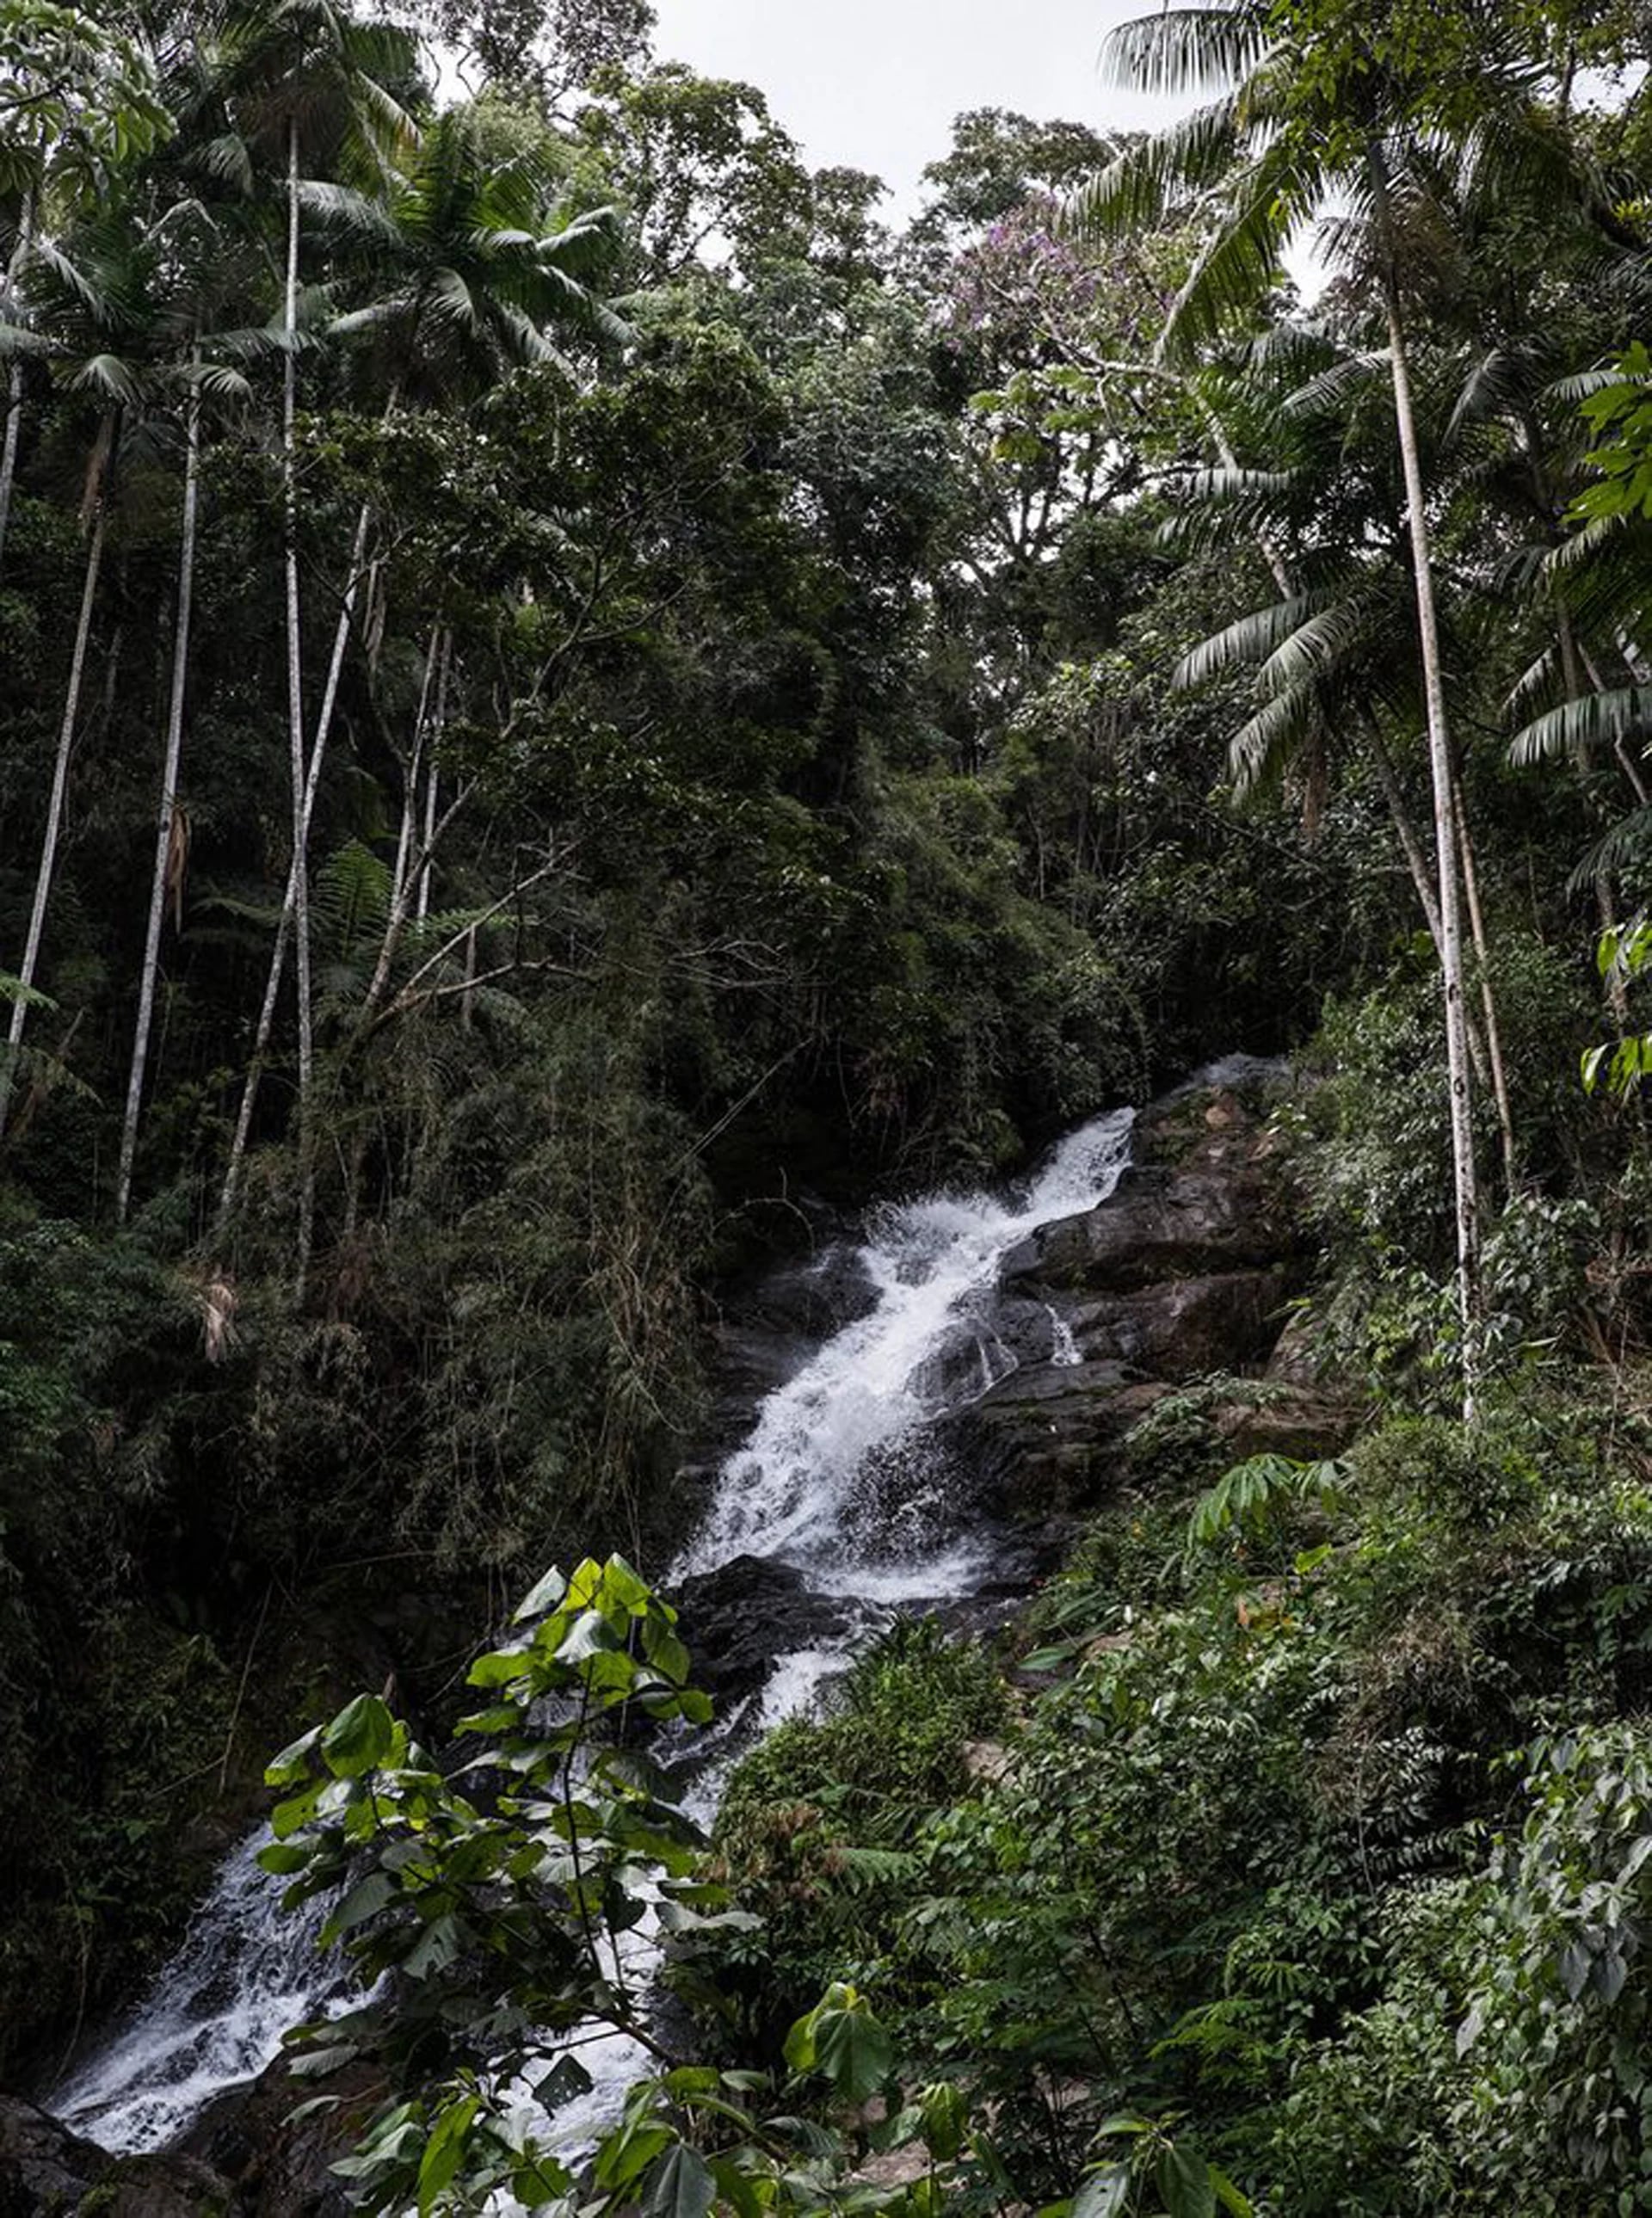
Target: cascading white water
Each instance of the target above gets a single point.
(247, 1970)
(805, 1489)
(1063, 1348)
(840, 1477)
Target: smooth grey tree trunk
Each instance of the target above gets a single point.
(291, 897)
(298, 885)
(53, 835)
(166, 816)
(1464, 1180)
(14, 377)
(410, 886)
(1488, 1004)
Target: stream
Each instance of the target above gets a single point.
(845, 1480)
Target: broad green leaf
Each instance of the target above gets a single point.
(283, 1856)
(445, 2151)
(1186, 2184)
(365, 1899)
(292, 1763)
(1102, 2194)
(360, 1738)
(436, 1948)
(1238, 2205)
(854, 2051)
(680, 2185)
(542, 1597)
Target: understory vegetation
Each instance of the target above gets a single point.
(1316, 1838)
(573, 702)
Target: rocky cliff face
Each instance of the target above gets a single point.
(1187, 1270)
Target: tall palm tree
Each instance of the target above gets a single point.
(201, 272)
(79, 98)
(1325, 103)
(479, 267)
(305, 80)
(85, 305)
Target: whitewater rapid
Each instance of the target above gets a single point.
(844, 1477)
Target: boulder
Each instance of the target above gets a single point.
(1300, 1422)
(1224, 1212)
(1182, 1328)
(280, 2165)
(746, 1613)
(1186, 1269)
(1042, 1441)
(47, 2171)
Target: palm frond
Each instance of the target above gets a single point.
(342, 212)
(1326, 394)
(1185, 49)
(1625, 845)
(350, 898)
(103, 292)
(1259, 749)
(1534, 681)
(1243, 259)
(215, 380)
(1315, 646)
(226, 158)
(106, 374)
(1575, 727)
(1141, 186)
(1495, 379)
(1245, 642)
(1583, 382)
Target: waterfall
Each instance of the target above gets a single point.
(834, 1477)
(246, 1971)
(842, 1477)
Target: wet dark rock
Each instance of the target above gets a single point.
(280, 2165)
(46, 2171)
(969, 1359)
(1029, 1329)
(768, 1330)
(1300, 1422)
(1182, 1328)
(746, 1613)
(1162, 1224)
(805, 1300)
(1186, 1269)
(1043, 1442)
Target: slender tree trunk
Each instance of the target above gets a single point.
(299, 877)
(168, 811)
(15, 376)
(1404, 830)
(230, 1191)
(1446, 842)
(294, 894)
(412, 884)
(1489, 1003)
(59, 787)
(410, 780)
(432, 790)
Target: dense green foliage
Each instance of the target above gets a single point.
(485, 1914)
(1322, 1831)
(734, 764)
(565, 684)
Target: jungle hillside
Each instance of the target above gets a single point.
(584, 712)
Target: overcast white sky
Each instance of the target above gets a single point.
(875, 83)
